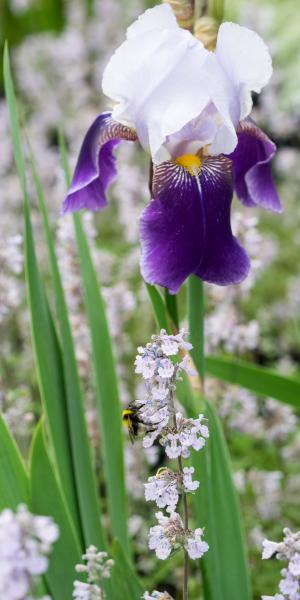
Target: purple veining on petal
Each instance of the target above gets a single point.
(224, 261)
(252, 173)
(186, 228)
(96, 165)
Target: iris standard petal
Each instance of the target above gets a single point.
(246, 60)
(251, 163)
(96, 168)
(157, 78)
(186, 228)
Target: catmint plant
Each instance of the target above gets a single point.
(97, 567)
(156, 417)
(287, 550)
(26, 540)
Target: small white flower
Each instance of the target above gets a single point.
(159, 391)
(288, 585)
(165, 368)
(169, 346)
(159, 542)
(172, 446)
(185, 365)
(188, 483)
(163, 489)
(25, 542)
(86, 591)
(145, 365)
(191, 433)
(195, 546)
(180, 338)
(294, 565)
(269, 548)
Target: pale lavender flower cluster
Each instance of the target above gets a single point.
(97, 568)
(171, 534)
(161, 374)
(165, 486)
(288, 550)
(25, 542)
(177, 434)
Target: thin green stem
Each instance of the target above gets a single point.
(186, 526)
(196, 323)
(185, 515)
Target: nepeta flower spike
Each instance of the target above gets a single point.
(156, 417)
(288, 550)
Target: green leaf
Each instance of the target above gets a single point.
(81, 455)
(107, 396)
(216, 506)
(196, 321)
(13, 477)
(45, 343)
(172, 308)
(159, 308)
(47, 499)
(259, 380)
(125, 583)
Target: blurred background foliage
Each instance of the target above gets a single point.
(59, 49)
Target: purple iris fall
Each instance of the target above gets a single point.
(189, 109)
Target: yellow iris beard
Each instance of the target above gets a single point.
(190, 162)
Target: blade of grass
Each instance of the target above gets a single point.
(45, 343)
(216, 506)
(224, 566)
(260, 380)
(81, 455)
(159, 309)
(107, 395)
(196, 321)
(13, 476)
(124, 573)
(172, 308)
(47, 499)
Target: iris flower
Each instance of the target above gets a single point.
(189, 109)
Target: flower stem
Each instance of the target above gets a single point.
(185, 516)
(186, 526)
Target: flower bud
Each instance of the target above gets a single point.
(206, 30)
(183, 11)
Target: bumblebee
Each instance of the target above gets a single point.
(132, 421)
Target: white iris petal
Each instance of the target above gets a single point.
(152, 77)
(246, 60)
(176, 94)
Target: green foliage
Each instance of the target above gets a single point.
(216, 506)
(81, 455)
(106, 391)
(13, 477)
(262, 381)
(106, 387)
(47, 355)
(47, 498)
